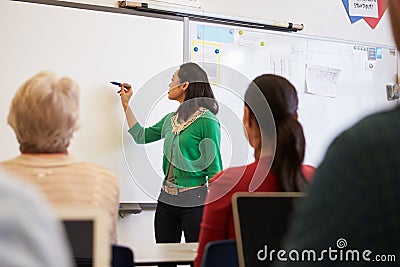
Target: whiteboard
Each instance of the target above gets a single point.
(360, 87)
(93, 48)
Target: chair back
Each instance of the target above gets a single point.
(261, 222)
(220, 253)
(87, 230)
(122, 256)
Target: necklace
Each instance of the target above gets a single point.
(178, 127)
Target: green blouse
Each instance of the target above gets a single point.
(194, 153)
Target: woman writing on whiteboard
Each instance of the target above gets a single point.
(272, 129)
(191, 152)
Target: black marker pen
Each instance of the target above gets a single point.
(126, 85)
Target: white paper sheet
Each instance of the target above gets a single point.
(321, 80)
(363, 8)
(283, 65)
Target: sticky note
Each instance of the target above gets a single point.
(379, 53)
(371, 53)
(215, 34)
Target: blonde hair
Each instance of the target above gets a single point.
(44, 113)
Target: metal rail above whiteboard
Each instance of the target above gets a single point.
(199, 16)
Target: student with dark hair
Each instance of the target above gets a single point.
(191, 152)
(270, 101)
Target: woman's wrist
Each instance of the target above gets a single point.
(125, 106)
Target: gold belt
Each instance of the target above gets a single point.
(173, 190)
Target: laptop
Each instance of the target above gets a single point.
(88, 233)
(261, 222)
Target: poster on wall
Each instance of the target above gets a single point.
(371, 11)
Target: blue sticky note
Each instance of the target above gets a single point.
(215, 34)
(379, 53)
(352, 18)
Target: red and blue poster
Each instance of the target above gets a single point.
(369, 10)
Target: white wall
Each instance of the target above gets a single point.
(137, 229)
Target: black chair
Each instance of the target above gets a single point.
(122, 256)
(262, 219)
(220, 253)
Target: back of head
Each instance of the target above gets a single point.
(394, 10)
(199, 92)
(274, 94)
(44, 113)
(192, 73)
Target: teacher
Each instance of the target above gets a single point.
(191, 152)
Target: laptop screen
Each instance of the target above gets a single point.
(261, 222)
(87, 230)
(80, 236)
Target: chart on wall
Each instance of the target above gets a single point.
(338, 82)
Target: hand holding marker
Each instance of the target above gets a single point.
(125, 94)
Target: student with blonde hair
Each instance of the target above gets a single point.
(44, 114)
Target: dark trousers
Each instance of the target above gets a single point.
(171, 218)
(170, 221)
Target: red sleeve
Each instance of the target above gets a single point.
(215, 219)
(308, 172)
